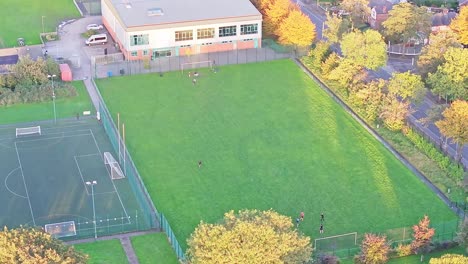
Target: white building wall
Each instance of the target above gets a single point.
(165, 38)
(113, 23)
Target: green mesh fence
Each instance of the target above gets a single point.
(156, 218)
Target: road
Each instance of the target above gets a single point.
(395, 63)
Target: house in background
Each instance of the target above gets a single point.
(379, 12)
(156, 28)
(442, 20)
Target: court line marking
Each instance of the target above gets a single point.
(81, 175)
(25, 187)
(115, 188)
(6, 185)
(45, 134)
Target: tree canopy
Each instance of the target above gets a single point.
(374, 250)
(250, 236)
(358, 9)
(405, 21)
(366, 49)
(336, 27)
(406, 85)
(455, 124)
(422, 235)
(296, 29)
(460, 25)
(449, 258)
(34, 246)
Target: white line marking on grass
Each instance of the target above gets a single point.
(81, 175)
(25, 187)
(6, 185)
(115, 188)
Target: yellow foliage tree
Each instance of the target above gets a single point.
(449, 258)
(460, 25)
(34, 246)
(455, 124)
(296, 29)
(250, 236)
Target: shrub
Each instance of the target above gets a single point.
(403, 250)
(328, 259)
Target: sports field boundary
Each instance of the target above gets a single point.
(387, 145)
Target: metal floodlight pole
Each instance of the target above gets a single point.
(53, 95)
(94, 208)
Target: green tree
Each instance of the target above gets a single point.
(29, 72)
(358, 9)
(296, 29)
(330, 63)
(422, 235)
(320, 52)
(460, 25)
(394, 112)
(366, 49)
(406, 85)
(449, 258)
(336, 27)
(432, 55)
(344, 73)
(33, 246)
(454, 125)
(462, 235)
(451, 78)
(250, 236)
(368, 99)
(405, 21)
(374, 250)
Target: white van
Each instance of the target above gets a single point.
(97, 39)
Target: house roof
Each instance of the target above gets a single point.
(443, 19)
(381, 6)
(134, 13)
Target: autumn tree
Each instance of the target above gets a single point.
(336, 27)
(374, 250)
(451, 78)
(432, 55)
(366, 49)
(449, 258)
(405, 21)
(330, 63)
(460, 25)
(358, 9)
(454, 125)
(275, 13)
(394, 112)
(368, 99)
(250, 236)
(296, 29)
(33, 245)
(422, 235)
(320, 52)
(406, 85)
(344, 73)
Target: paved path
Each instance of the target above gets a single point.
(124, 240)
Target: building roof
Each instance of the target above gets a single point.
(134, 13)
(381, 6)
(443, 19)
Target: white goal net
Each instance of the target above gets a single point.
(195, 65)
(28, 131)
(334, 243)
(113, 166)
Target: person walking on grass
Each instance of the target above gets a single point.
(321, 229)
(199, 163)
(297, 222)
(302, 216)
(322, 217)
(194, 81)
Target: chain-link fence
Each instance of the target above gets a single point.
(109, 65)
(89, 7)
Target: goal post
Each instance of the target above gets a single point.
(196, 65)
(22, 131)
(337, 242)
(113, 166)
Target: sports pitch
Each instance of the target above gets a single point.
(268, 137)
(44, 180)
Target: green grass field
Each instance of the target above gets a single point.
(268, 138)
(24, 19)
(153, 248)
(65, 107)
(104, 252)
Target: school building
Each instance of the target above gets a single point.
(156, 28)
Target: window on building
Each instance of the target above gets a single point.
(249, 29)
(183, 35)
(205, 33)
(134, 53)
(227, 31)
(162, 53)
(145, 52)
(136, 40)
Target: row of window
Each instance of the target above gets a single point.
(206, 33)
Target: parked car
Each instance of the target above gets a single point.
(94, 27)
(96, 39)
